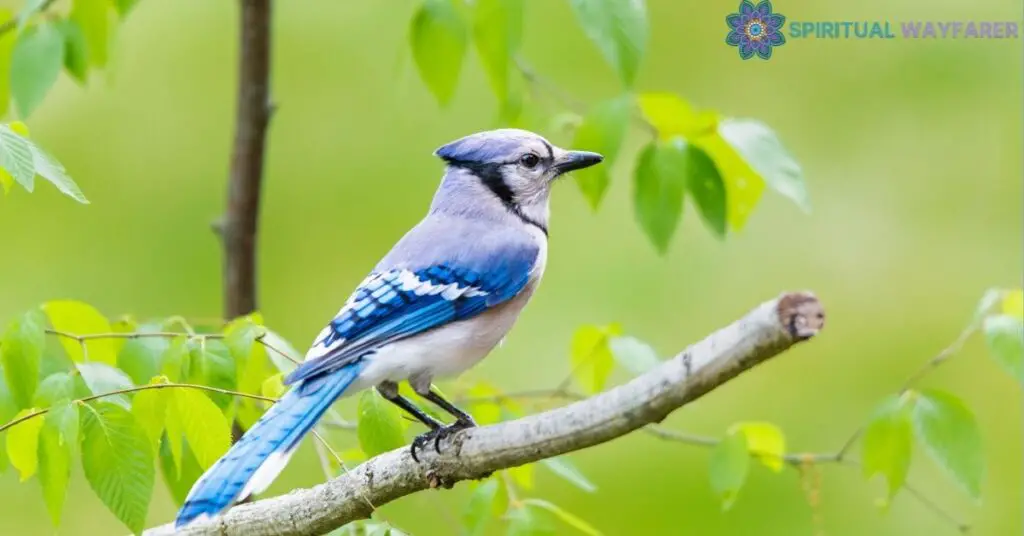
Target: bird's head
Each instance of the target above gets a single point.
(517, 166)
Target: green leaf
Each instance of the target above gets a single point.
(175, 438)
(380, 424)
(92, 17)
(562, 467)
(602, 130)
(763, 151)
(175, 361)
(80, 318)
(179, 476)
(480, 507)
(23, 444)
(951, 436)
(568, 518)
(125, 324)
(102, 378)
(202, 424)
(217, 369)
(54, 473)
(273, 387)
(35, 63)
(255, 369)
(63, 417)
(118, 462)
(886, 445)
(6, 48)
(76, 55)
(56, 387)
(728, 467)
(659, 188)
(16, 157)
(591, 356)
(669, 114)
(438, 39)
(141, 357)
(619, 29)
(6, 181)
(20, 352)
(55, 447)
(149, 408)
(8, 410)
(764, 440)
(124, 6)
(1013, 304)
(497, 31)
(1005, 337)
(633, 354)
(706, 188)
(50, 169)
(21, 160)
(743, 186)
(240, 336)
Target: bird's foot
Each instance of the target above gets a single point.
(436, 435)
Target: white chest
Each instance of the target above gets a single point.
(450, 350)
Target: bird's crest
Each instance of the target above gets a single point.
(489, 146)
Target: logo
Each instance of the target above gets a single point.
(755, 29)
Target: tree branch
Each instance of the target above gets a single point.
(239, 227)
(763, 333)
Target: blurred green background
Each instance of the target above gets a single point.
(911, 149)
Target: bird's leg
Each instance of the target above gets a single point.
(389, 390)
(463, 420)
(460, 416)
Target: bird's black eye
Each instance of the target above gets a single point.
(529, 160)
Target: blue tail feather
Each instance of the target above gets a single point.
(252, 462)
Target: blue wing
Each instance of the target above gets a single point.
(402, 302)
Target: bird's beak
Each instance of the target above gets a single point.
(573, 160)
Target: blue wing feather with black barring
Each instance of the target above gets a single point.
(395, 304)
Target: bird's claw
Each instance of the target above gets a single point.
(437, 435)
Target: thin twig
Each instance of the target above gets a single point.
(160, 335)
(321, 453)
(921, 498)
(941, 357)
(541, 82)
(963, 527)
(280, 352)
(137, 388)
(341, 463)
(944, 355)
(568, 100)
(130, 335)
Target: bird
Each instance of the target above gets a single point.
(438, 302)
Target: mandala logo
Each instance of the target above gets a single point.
(755, 29)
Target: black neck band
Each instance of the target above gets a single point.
(490, 175)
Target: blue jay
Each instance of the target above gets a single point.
(443, 297)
